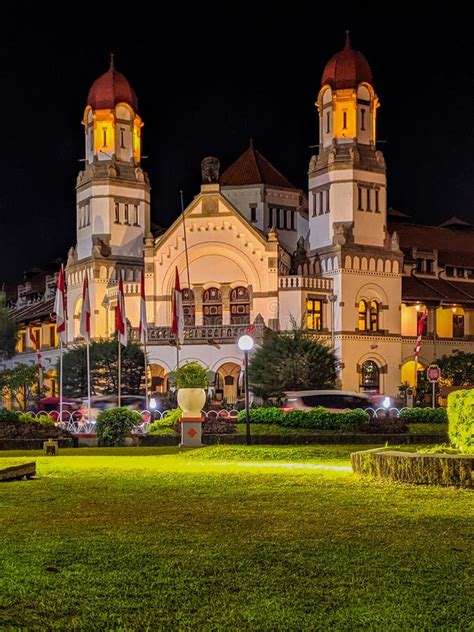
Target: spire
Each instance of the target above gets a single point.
(251, 143)
(348, 41)
(112, 65)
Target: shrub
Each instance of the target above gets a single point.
(316, 419)
(8, 416)
(461, 419)
(385, 426)
(112, 425)
(191, 375)
(17, 429)
(170, 420)
(44, 420)
(424, 415)
(219, 425)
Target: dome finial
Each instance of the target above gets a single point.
(348, 40)
(251, 143)
(112, 65)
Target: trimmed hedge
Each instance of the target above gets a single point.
(461, 419)
(317, 419)
(424, 416)
(170, 420)
(114, 424)
(15, 425)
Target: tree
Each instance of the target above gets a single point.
(8, 331)
(289, 361)
(104, 373)
(16, 383)
(458, 368)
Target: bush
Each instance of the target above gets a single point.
(385, 426)
(114, 424)
(191, 375)
(170, 420)
(316, 419)
(8, 416)
(461, 419)
(27, 429)
(219, 425)
(424, 415)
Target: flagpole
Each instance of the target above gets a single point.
(88, 381)
(185, 239)
(146, 376)
(119, 372)
(60, 379)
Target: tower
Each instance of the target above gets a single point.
(347, 181)
(113, 200)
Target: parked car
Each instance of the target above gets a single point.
(104, 402)
(330, 399)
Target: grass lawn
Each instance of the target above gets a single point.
(229, 538)
(275, 429)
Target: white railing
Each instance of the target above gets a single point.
(305, 283)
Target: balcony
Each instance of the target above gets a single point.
(194, 335)
(304, 283)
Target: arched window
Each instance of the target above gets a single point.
(212, 306)
(374, 316)
(369, 376)
(188, 307)
(362, 316)
(239, 306)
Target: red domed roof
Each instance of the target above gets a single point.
(111, 88)
(346, 69)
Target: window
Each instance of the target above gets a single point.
(326, 209)
(212, 307)
(460, 272)
(188, 307)
(429, 266)
(369, 376)
(122, 138)
(458, 326)
(135, 215)
(321, 201)
(362, 120)
(117, 213)
(52, 336)
(88, 215)
(420, 317)
(377, 201)
(328, 126)
(21, 341)
(104, 137)
(315, 204)
(368, 208)
(344, 120)
(270, 218)
(449, 271)
(359, 198)
(292, 219)
(374, 316)
(239, 306)
(253, 214)
(126, 215)
(419, 266)
(314, 314)
(362, 316)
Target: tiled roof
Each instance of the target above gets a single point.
(437, 290)
(455, 247)
(253, 168)
(33, 310)
(111, 88)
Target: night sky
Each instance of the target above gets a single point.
(208, 81)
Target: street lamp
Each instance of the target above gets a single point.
(246, 343)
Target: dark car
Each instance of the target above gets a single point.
(330, 399)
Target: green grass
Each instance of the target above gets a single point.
(228, 538)
(428, 429)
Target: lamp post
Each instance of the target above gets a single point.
(246, 343)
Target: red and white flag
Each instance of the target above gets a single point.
(60, 307)
(177, 328)
(421, 325)
(120, 318)
(143, 327)
(85, 322)
(251, 329)
(35, 341)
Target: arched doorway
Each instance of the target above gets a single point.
(227, 383)
(157, 379)
(369, 376)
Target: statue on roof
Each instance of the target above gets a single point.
(210, 170)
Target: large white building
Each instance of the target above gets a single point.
(251, 247)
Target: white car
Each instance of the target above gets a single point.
(330, 399)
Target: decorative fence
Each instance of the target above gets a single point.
(78, 424)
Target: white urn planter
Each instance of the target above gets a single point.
(191, 402)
